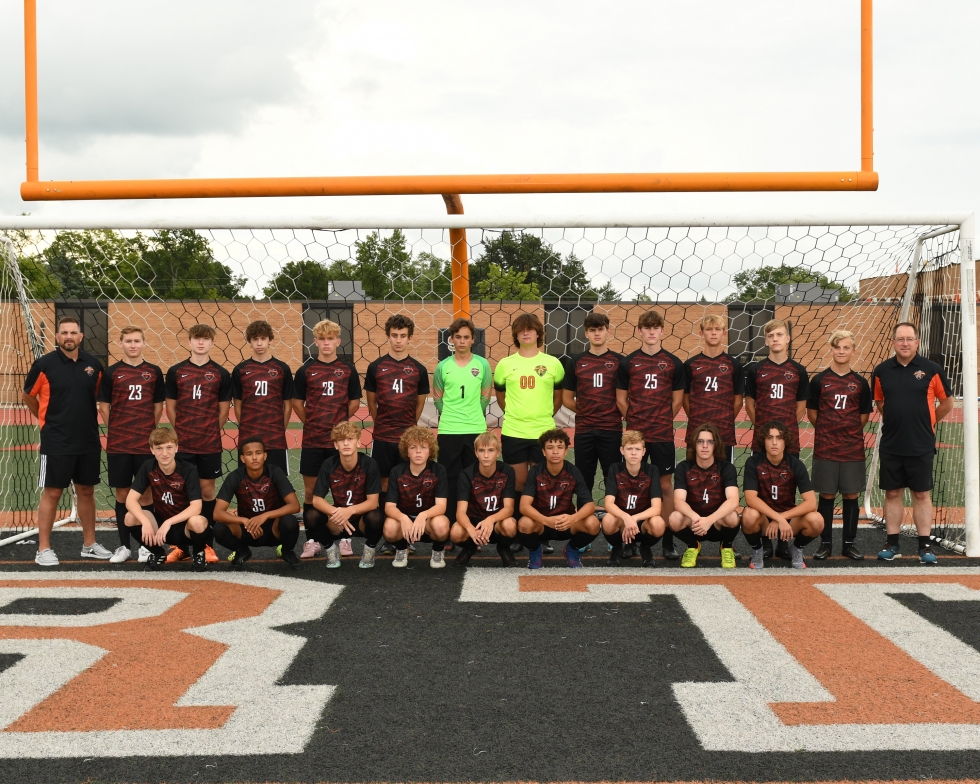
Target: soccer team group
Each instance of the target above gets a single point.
(464, 487)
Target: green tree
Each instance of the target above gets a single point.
(380, 261)
(179, 264)
(500, 285)
(760, 283)
(300, 280)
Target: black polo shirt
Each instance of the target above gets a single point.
(909, 394)
(65, 389)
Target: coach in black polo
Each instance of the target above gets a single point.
(60, 391)
(906, 390)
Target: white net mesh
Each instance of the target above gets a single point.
(818, 278)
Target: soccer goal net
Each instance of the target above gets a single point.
(818, 278)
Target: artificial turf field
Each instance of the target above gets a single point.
(842, 672)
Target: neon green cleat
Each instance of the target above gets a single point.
(231, 556)
(690, 558)
(727, 558)
(279, 551)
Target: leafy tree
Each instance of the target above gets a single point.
(300, 280)
(380, 261)
(179, 264)
(760, 283)
(500, 285)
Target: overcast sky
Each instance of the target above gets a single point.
(299, 88)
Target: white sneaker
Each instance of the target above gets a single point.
(401, 559)
(96, 551)
(121, 555)
(46, 558)
(333, 556)
(438, 560)
(345, 548)
(144, 555)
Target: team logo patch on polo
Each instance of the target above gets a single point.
(55, 703)
(919, 374)
(540, 370)
(90, 370)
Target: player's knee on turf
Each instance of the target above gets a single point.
(507, 527)
(438, 528)
(84, 491)
(752, 520)
(678, 522)
(528, 526)
(653, 526)
(729, 521)
(611, 525)
(392, 529)
(589, 525)
(812, 524)
(198, 524)
(458, 534)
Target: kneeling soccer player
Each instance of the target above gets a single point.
(633, 502)
(485, 509)
(415, 504)
(546, 504)
(267, 507)
(705, 497)
(771, 482)
(175, 514)
(353, 482)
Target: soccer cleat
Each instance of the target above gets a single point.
(345, 548)
(783, 551)
(367, 557)
(670, 554)
(176, 554)
(144, 555)
(646, 553)
(46, 558)
(311, 549)
(547, 548)
(240, 556)
(615, 556)
(574, 557)
(121, 555)
(464, 555)
(516, 547)
(289, 557)
(199, 560)
(757, 561)
(850, 551)
(437, 560)
(534, 557)
(727, 558)
(386, 548)
(411, 547)
(767, 551)
(278, 551)
(927, 556)
(890, 553)
(629, 550)
(824, 551)
(796, 555)
(210, 555)
(401, 559)
(96, 551)
(690, 558)
(506, 554)
(155, 561)
(333, 556)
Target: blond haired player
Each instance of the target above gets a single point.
(633, 501)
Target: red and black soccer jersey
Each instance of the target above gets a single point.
(173, 492)
(484, 495)
(839, 402)
(776, 484)
(776, 389)
(256, 496)
(348, 488)
(909, 393)
(414, 494)
(633, 493)
(397, 384)
(553, 494)
(651, 380)
(705, 486)
(263, 388)
(132, 392)
(198, 389)
(713, 383)
(65, 391)
(592, 378)
(326, 388)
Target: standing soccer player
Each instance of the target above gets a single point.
(262, 393)
(906, 389)
(199, 395)
(650, 391)
(130, 397)
(773, 477)
(326, 392)
(60, 391)
(777, 388)
(633, 502)
(840, 402)
(589, 391)
(461, 389)
(714, 384)
(395, 385)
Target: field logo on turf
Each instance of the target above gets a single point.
(155, 665)
(830, 660)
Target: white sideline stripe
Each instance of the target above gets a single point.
(135, 603)
(935, 648)
(268, 719)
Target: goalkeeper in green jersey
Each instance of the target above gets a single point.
(461, 388)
